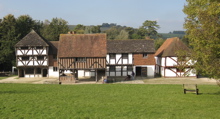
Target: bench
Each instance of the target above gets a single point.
(190, 88)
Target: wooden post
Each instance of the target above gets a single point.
(96, 77)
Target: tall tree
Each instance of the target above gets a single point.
(203, 30)
(8, 38)
(52, 30)
(149, 28)
(25, 24)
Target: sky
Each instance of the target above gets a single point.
(132, 13)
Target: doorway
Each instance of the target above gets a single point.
(44, 72)
(21, 72)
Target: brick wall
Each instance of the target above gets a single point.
(140, 60)
(52, 62)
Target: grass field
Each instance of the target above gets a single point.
(133, 101)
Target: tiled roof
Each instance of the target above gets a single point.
(170, 47)
(82, 45)
(130, 46)
(32, 39)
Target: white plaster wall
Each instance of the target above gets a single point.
(53, 73)
(171, 62)
(29, 75)
(130, 58)
(150, 70)
(169, 73)
(107, 58)
(118, 58)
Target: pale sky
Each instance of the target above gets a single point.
(167, 13)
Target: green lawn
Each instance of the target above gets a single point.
(99, 101)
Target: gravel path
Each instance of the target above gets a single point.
(138, 80)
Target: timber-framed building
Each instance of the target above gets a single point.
(172, 59)
(125, 56)
(80, 54)
(32, 56)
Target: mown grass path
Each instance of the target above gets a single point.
(107, 101)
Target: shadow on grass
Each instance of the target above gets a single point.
(17, 92)
(217, 93)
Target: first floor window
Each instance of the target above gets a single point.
(40, 57)
(145, 55)
(25, 58)
(112, 56)
(80, 59)
(124, 56)
(54, 68)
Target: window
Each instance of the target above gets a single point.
(54, 57)
(124, 56)
(145, 55)
(39, 47)
(80, 59)
(112, 56)
(130, 68)
(112, 68)
(38, 71)
(24, 48)
(40, 57)
(29, 71)
(54, 68)
(25, 58)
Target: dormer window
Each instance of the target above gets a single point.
(145, 55)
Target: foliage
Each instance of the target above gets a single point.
(170, 35)
(112, 33)
(123, 35)
(52, 30)
(8, 38)
(149, 28)
(158, 42)
(203, 30)
(107, 101)
(79, 29)
(25, 24)
(92, 29)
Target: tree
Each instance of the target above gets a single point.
(149, 28)
(79, 29)
(92, 29)
(52, 30)
(8, 38)
(203, 30)
(158, 42)
(112, 33)
(123, 35)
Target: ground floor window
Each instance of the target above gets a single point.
(29, 71)
(38, 71)
(54, 69)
